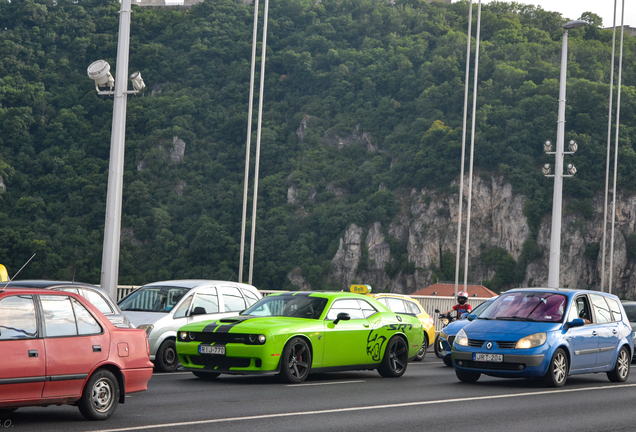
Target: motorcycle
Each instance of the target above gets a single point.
(445, 319)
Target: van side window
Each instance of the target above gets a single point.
(232, 299)
(206, 301)
(615, 308)
(601, 310)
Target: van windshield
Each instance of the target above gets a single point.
(153, 299)
(527, 306)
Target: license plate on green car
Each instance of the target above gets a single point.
(497, 358)
(212, 349)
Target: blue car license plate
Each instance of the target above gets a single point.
(212, 349)
(482, 357)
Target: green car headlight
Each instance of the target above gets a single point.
(461, 338)
(257, 339)
(531, 341)
(185, 336)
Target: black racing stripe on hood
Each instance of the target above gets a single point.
(210, 327)
(225, 324)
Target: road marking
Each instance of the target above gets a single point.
(325, 383)
(364, 408)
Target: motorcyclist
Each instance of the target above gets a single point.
(462, 305)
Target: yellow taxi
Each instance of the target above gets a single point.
(405, 304)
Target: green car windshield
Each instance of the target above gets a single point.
(288, 306)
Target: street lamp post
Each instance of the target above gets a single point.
(555, 239)
(118, 87)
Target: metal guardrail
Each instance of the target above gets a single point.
(430, 303)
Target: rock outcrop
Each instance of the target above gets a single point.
(427, 225)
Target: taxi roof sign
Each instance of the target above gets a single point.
(360, 289)
(4, 275)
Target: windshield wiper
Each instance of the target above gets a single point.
(515, 318)
(139, 310)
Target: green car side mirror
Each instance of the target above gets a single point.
(342, 316)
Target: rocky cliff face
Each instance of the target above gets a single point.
(427, 226)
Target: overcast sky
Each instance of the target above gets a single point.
(574, 8)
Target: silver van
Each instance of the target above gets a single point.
(161, 308)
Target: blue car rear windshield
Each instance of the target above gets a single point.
(288, 306)
(527, 306)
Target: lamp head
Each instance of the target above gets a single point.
(546, 169)
(571, 169)
(99, 71)
(573, 146)
(574, 24)
(547, 146)
(137, 81)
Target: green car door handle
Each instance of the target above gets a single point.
(366, 325)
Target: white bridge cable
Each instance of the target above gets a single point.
(618, 122)
(609, 141)
(461, 175)
(472, 146)
(249, 140)
(258, 139)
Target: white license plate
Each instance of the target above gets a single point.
(212, 349)
(497, 358)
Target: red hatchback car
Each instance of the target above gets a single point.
(57, 348)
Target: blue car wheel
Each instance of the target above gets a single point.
(621, 370)
(558, 371)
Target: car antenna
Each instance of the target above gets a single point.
(9, 281)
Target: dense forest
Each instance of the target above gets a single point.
(363, 102)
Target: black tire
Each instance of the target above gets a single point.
(557, 373)
(295, 362)
(467, 377)
(100, 396)
(396, 358)
(166, 359)
(422, 352)
(208, 376)
(448, 361)
(620, 373)
(436, 345)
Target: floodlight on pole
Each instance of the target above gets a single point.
(99, 71)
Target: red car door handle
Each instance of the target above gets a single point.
(33, 353)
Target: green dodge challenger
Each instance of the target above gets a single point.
(293, 334)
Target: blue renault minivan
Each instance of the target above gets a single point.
(546, 333)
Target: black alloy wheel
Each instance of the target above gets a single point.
(396, 357)
(295, 361)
